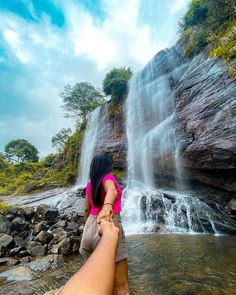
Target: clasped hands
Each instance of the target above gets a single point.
(105, 222)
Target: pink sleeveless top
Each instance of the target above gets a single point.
(117, 204)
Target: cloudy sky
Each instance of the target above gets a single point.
(46, 44)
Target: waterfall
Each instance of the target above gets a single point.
(88, 147)
(151, 143)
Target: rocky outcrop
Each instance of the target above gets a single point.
(31, 233)
(112, 134)
(203, 104)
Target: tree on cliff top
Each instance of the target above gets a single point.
(80, 100)
(116, 83)
(22, 150)
(59, 139)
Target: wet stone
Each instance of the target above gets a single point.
(19, 224)
(40, 226)
(20, 273)
(16, 250)
(44, 237)
(8, 261)
(38, 251)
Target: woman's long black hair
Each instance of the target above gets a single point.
(100, 166)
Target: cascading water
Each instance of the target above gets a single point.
(151, 142)
(88, 147)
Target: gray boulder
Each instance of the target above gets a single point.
(44, 237)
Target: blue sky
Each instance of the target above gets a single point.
(46, 44)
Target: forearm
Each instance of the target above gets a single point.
(97, 275)
(110, 197)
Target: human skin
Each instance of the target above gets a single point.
(97, 275)
(111, 195)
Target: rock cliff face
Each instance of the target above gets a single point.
(204, 104)
(112, 135)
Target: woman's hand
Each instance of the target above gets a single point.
(106, 228)
(106, 213)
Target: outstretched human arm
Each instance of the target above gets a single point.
(96, 276)
(111, 195)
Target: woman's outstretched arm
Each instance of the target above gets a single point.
(96, 276)
(111, 195)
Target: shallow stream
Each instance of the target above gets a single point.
(160, 264)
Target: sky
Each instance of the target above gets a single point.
(46, 44)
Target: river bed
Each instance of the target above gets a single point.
(162, 264)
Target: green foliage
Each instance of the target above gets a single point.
(226, 43)
(116, 83)
(80, 100)
(59, 139)
(22, 150)
(196, 42)
(204, 21)
(48, 160)
(197, 13)
(5, 207)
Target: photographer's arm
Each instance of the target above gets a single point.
(97, 275)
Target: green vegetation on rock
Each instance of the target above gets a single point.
(54, 170)
(210, 22)
(116, 84)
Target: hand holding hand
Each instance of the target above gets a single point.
(107, 228)
(105, 214)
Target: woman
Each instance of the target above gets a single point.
(103, 201)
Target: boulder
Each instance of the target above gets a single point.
(59, 223)
(6, 243)
(72, 226)
(63, 247)
(49, 262)
(19, 224)
(38, 251)
(46, 213)
(75, 245)
(16, 211)
(44, 237)
(20, 273)
(29, 213)
(42, 225)
(58, 232)
(16, 250)
(10, 216)
(5, 226)
(8, 261)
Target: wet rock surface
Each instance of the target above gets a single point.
(171, 211)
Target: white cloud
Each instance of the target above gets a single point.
(119, 40)
(82, 50)
(178, 5)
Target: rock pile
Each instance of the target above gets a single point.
(31, 232)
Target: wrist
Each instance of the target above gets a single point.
(107, 205)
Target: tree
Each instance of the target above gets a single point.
(116, 83)
(196, 14)
(59, 139)
(80, 100)
(22, 150)
(48, 160)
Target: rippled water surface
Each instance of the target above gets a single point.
(159, 264)
(181, 264)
